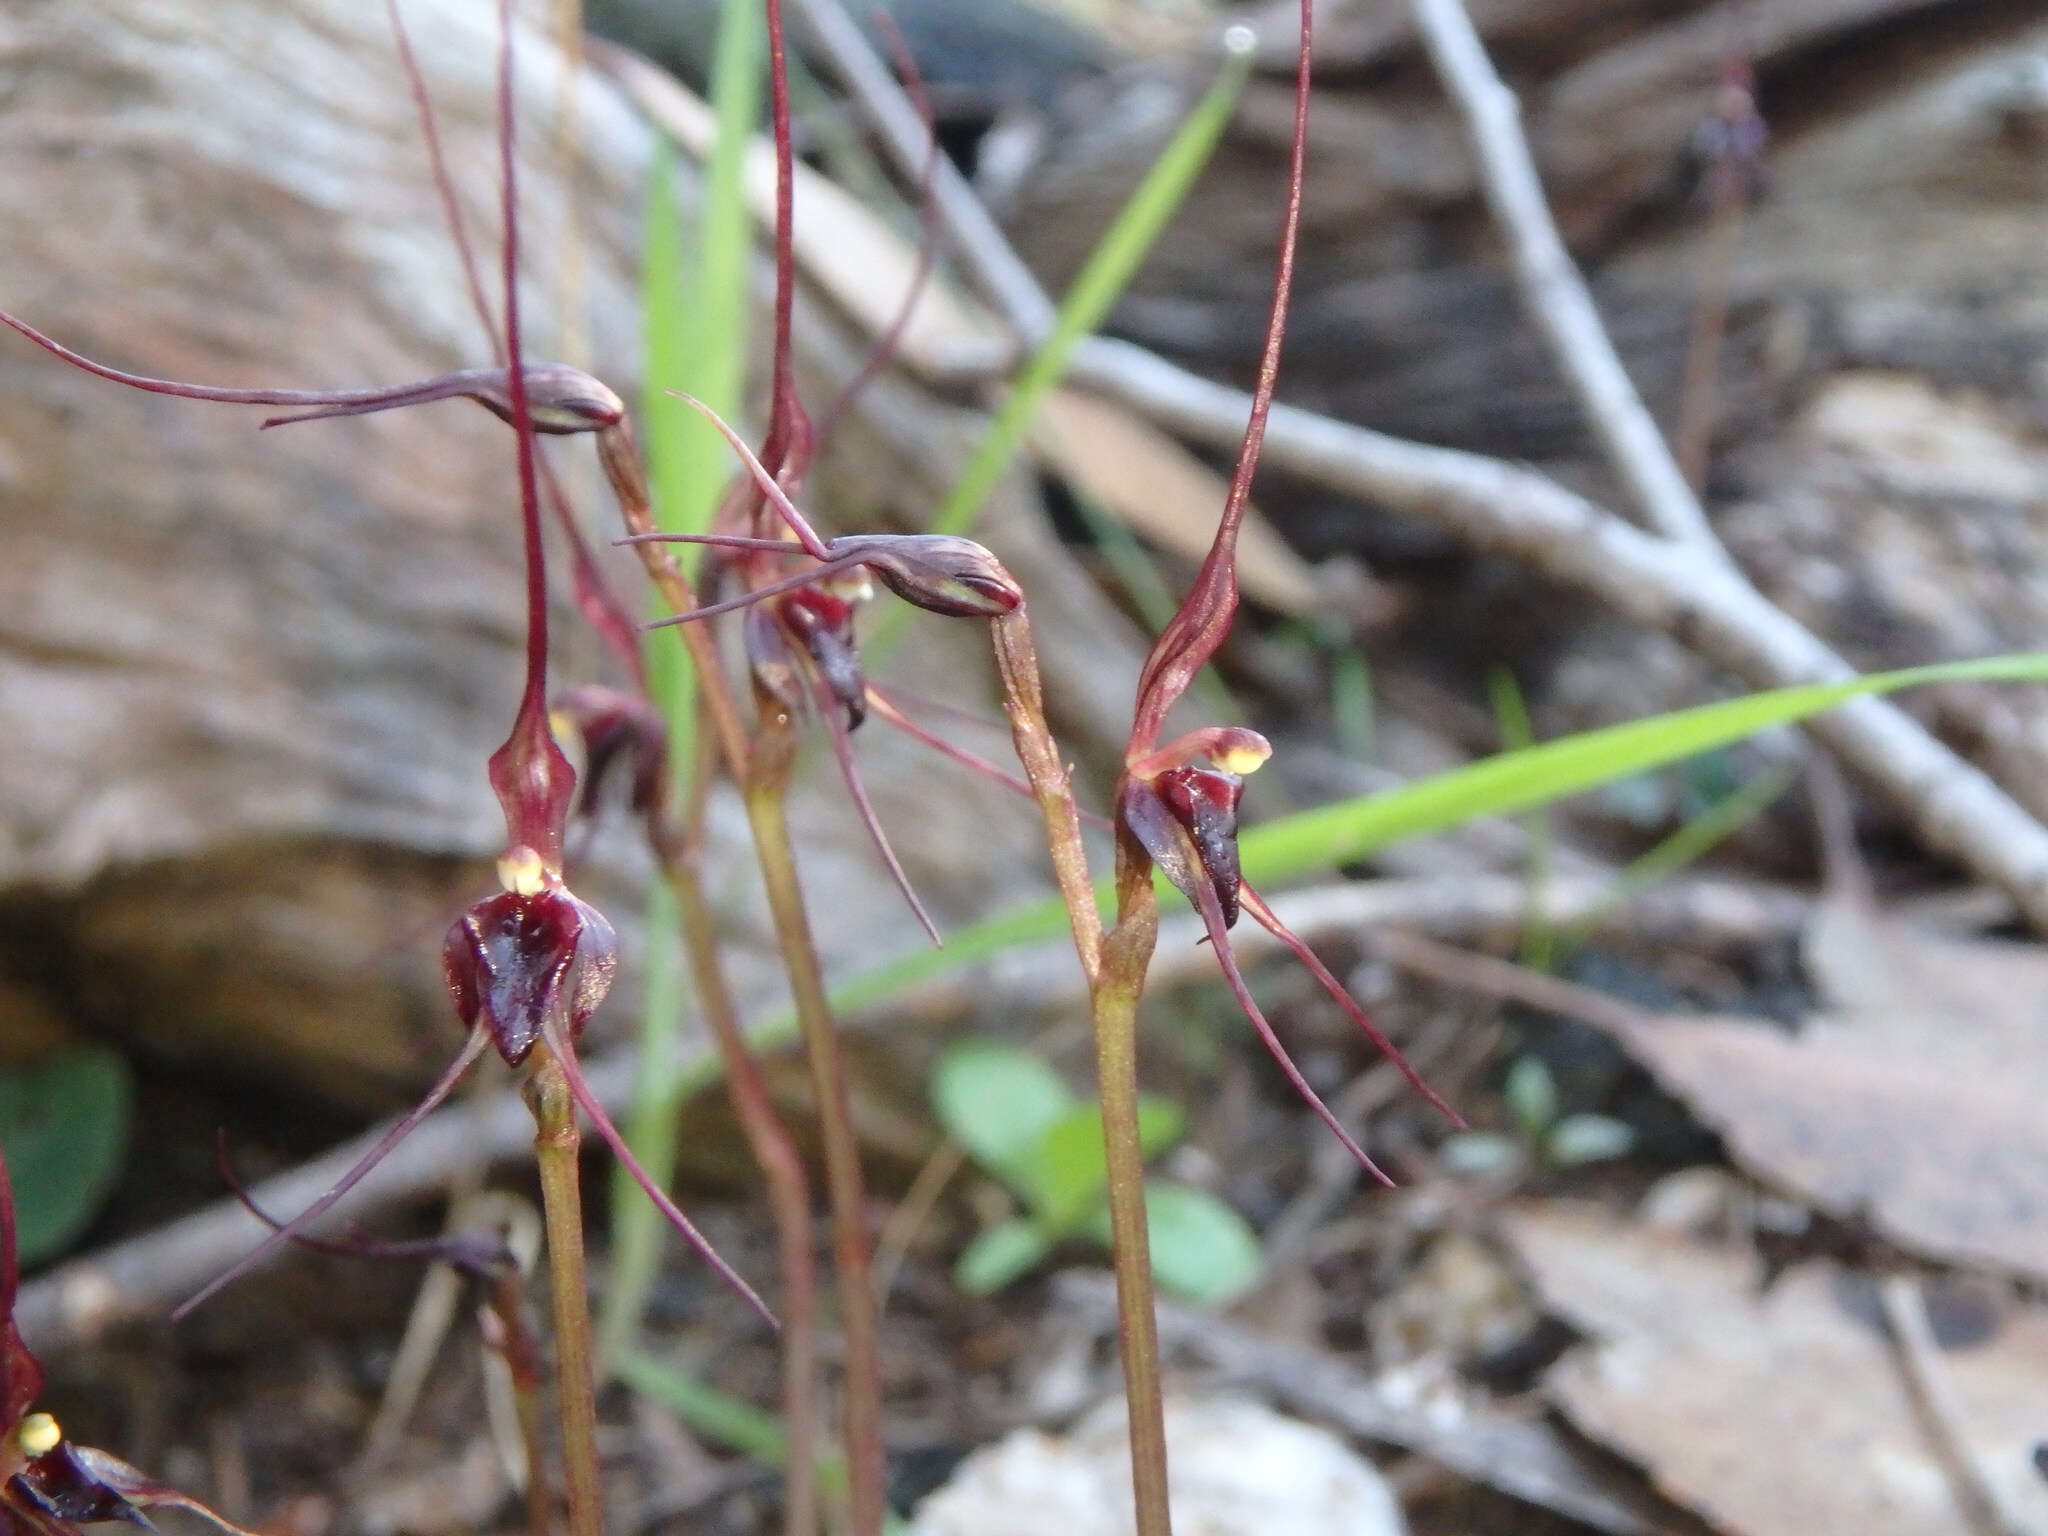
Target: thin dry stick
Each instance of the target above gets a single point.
(911, 1213)
(131, 1281)
(1706, 605)
(1977, 1497)
(889, 107)
(1553, 292)
(1516, 983)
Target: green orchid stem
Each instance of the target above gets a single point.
(1126, 953)
(556, 1142)
(771, 758)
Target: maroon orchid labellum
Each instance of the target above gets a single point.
(49, 1485)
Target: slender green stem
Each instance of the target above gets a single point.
(767, 788)
(556, 1141)
(1126, 952)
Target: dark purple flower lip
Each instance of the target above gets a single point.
(532, 953)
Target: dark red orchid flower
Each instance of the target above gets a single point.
(1179, 801)
(799, 634)
(50, 1486)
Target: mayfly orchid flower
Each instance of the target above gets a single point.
(1178, 802)
(799, 635)
(49, 1484)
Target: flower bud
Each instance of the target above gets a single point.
(560, 400)
(937, 572)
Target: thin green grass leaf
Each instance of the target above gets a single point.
(1094, 292)
(1348, 830)
(1308, 841)
(1517, 732)
(694, 339)
(1690, 843)
(1109, 269)
(728, 1421)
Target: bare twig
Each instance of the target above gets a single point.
(1941, 1416)
(1553, 292)
(974, 234)
(1514, 983)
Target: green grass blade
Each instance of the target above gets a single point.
(1517, 732)
(729, 1421)
(1110, 266)
(1095, 290)
(694, 339)
(1308, 841)
(1518, 781)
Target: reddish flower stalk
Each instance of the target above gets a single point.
(887, 344)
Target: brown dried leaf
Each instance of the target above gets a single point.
(1164, 493)
(1917, 1108)
(839, 243)
(1776, 1412)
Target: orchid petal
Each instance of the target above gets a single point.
(406, 1125)
(1262, 914)
(849, 770)
(798, 523)
(565, 1054)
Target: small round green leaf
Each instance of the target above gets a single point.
(1072, 1168)
(1531, 1093)
(1202, 1250)
(64, 1126)
(997, 1101)
(1580, 1139)
(1478, 1154)
(999, 1255)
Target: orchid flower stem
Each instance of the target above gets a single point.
(1126, 953)
(766, 796)
(556, 1142)
(789, 1195)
